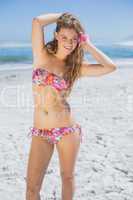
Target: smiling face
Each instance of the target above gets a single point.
(67, 40)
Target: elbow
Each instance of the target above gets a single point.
(113, 67)
(110, 68)
(35, 20)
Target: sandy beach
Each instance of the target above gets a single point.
(103, 106)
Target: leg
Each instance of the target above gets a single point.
(67, 149)
(39, 157)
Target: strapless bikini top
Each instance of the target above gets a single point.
(42, 76)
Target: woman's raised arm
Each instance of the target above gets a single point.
(38, 41)
(105, 65)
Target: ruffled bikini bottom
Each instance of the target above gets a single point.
(53, 135)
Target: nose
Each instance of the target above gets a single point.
(70, 41)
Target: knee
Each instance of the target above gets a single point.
(67, 177)
(32, 190)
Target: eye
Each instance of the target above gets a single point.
(75, 39)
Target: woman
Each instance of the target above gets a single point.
(57, 65)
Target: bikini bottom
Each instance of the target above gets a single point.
(53, 135)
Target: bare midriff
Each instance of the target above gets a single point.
(58, 115)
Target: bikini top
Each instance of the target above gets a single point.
(42, 76)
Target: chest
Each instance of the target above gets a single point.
(42, 78)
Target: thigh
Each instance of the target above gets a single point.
(67, 149)
(39, 157)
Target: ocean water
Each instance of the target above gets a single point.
(19, 56)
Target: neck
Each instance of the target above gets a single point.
(60, 56)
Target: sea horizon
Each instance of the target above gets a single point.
(18, 55)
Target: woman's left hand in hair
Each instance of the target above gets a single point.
(84, 41)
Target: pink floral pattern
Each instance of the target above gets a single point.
(83, 37)
(44, 77)
(53, 135)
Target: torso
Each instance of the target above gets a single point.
(60, 113)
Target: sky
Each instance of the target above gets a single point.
(108, 21)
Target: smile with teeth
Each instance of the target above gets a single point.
(68, 48)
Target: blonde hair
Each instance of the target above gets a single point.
(73, 60)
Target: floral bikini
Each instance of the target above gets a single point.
(41, 76)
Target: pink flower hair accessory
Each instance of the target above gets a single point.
(83, 37)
